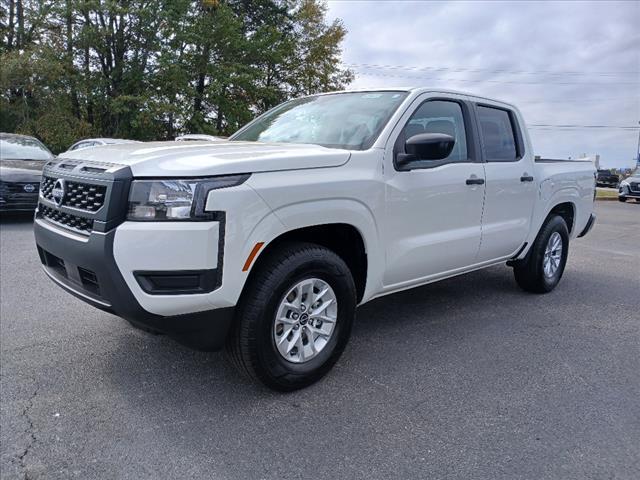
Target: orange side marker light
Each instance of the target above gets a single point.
(252, 255)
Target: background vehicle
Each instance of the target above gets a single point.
(21, 161)
(629, 188)
(198, 137)
(266, 243)
(607, 179)
(97, 142)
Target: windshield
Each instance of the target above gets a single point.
(23, 148)
(340, 120)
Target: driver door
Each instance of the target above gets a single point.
(433, 212)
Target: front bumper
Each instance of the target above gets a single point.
(625, 191)
(17, 202)
(86, 268)
(9, 207)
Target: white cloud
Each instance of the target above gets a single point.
(481, 47)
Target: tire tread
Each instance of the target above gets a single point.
(528, 272)
(261, 283)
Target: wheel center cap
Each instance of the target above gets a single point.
(303, 319)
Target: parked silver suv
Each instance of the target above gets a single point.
(629, 188)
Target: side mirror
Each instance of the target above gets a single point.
(425, 146)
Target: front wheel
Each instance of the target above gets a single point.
(622, 199)
(541, 270)
(294, 317)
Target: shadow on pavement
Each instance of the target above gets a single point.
(173, 373)
(15, 218)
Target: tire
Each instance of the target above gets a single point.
(622, 199)
(252, 343)
(530, 273)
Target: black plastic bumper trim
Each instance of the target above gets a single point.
(201, 330)
(589, 226)
(178, 282)
(76, 292)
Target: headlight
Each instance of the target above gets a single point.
(175, 199)
(624, 183)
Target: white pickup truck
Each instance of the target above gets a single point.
(266, 243)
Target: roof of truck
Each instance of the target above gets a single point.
(418, 90)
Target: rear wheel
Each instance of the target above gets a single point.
(542, 268)
(294, 317)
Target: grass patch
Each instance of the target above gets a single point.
(602, 193)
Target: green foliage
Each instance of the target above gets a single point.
(152, 69)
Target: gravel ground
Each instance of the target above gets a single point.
(466, 378)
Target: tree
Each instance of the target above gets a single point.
(316, 65)
(150, 69)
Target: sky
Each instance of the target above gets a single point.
(561, 63)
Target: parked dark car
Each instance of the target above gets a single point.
(629, 188)
(607, 179)
(21, 161)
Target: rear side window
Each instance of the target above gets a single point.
(498, 138)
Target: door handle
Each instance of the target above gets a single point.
(526, 178)
(475, 181)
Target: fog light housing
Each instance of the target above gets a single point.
(179, 282)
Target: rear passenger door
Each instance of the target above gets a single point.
(510, 186)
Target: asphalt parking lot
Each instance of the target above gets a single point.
(467, 378)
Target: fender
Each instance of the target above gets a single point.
(293, 216)
(548, 200)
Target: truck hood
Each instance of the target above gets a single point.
(176, 159)
(21, 170)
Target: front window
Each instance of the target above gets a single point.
(438, 116)
(23, 148)
(351, 121)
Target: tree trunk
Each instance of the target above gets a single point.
(11, 26)
(87, 74)
(75, 104)
(220, 114)
(202, 77)
(20, 18)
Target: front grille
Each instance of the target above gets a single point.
(83, 196)
(89, 197)
(25, 188)
(634, 186)
(84, 225)
(47, 186)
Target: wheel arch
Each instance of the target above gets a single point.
(567, 210)
(342, 238)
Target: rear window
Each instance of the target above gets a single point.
(498, 138)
